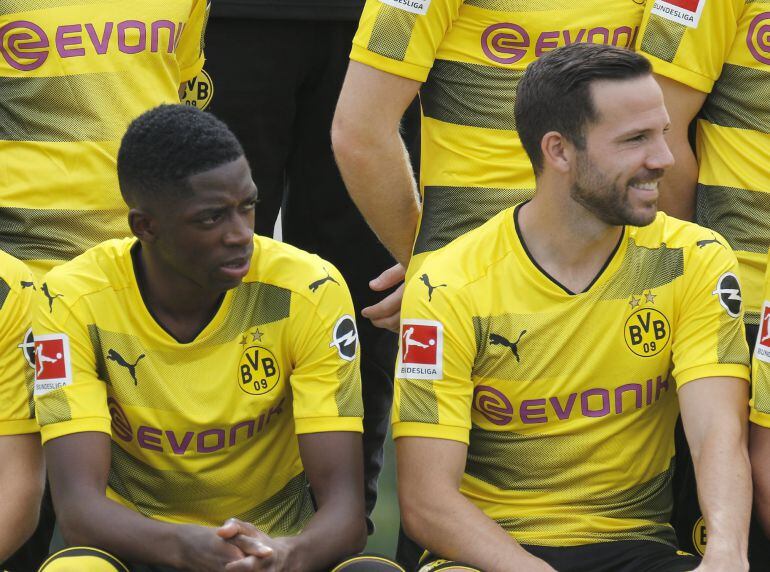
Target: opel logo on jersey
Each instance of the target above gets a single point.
(728, 291)
(345, 338)
(27, 347)
(258, 371)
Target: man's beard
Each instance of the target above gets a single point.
(608, 199)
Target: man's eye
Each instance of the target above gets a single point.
(640, 137)
(210, 218)
(250, 206)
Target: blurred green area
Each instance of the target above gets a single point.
(386, 515)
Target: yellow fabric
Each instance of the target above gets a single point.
(567, 401)
(205, 430)
(471, 55)
(82, 559)
(74, 74)
(727, 56)
(760, 374)
(17, 410)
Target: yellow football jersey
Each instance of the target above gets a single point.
(760, 375)
(205, 430)
(17, 408)
(470, 56)
(567, 401)
(720, 47)
(73, 75)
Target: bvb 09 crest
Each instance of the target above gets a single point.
(647, 332)
(258, 371)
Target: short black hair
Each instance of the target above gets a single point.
(166, 145)
(554, 93)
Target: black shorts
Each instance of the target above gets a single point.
(618, 556)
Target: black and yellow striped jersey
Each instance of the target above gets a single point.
(567, 401)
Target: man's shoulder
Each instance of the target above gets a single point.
(470, 257)
(669, 232)
(290, 268)
(13, 271)
(103, 266)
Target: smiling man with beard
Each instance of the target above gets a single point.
(193, 376)
(558, 455)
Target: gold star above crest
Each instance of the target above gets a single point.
(650, 297)
(634, 301)
(256, 335)
(243, 341)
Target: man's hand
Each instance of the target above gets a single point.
(203, 549)
(387, 312)
(260, 551)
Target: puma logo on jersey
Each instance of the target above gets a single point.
(50, 297)
(498, 340)
(425, 280)
(318, 283)
(25, 284)
(706, 242)
(112, 355)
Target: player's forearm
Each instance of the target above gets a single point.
(19, 511)
(759, 450)
(379, 178)
(723, 474)
(333, 534)
(449, 525)
(93, 520)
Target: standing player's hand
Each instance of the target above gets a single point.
(261, 552)
(203, 550)
(387, 312)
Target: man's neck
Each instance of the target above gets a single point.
(179, 306)
(567, 241)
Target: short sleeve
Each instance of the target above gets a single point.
(326, 376)
(689, 45)
(17, 411)
(760, 375)
(69, 396)
(400, 37)
(437, 347)
(709, 337)
(189, 51)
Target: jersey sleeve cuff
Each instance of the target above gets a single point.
(189, 72)
(713, 370)
(55, 430)
(687, 77)
(328, 424)
(395, 67)
(412, 429)
(759, 418)
(19, 427)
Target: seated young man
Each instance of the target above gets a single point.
(546, 355)
(21, 469)
(191, 375)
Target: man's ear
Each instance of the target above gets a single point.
(143, 225)
(558, 153)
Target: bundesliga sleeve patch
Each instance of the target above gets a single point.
(421, 350)
(762, 351)
(53, 367)
(685, 12)
(414, 6)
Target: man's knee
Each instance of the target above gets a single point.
(82, 559)
(367, 563)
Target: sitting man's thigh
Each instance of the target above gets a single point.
(619, 556)
(86, 559)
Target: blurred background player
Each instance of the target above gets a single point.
(74, 73)
(21, 470)
(198, 377)
(712, 61)
(277, 67)
(760, 414)
(526, 442)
